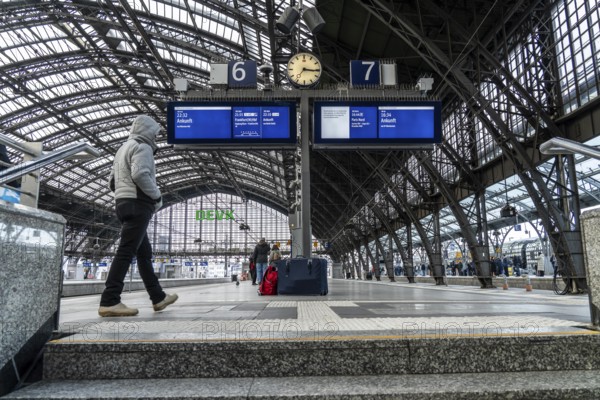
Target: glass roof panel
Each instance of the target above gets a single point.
(98, 163)
(58, 46)
(39, 129)
(9, 103)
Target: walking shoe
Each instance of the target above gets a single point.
(170, 299)
(119, 310)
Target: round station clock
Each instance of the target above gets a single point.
(304, 70)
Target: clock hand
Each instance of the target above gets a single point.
(308, 69)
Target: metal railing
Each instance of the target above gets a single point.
(567, 146)
(33, 160)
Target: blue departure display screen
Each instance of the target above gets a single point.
(251, 123)
(376, 124)
(260, 122)
(362, 122)
(214, 121)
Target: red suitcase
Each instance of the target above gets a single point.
(268, 285)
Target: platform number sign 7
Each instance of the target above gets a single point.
(364, 73)
(241, 74)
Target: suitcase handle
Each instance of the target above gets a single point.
(287, 267)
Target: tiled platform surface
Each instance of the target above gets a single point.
(379, 339)
(352, 308)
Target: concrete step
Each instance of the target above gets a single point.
(549, 385)
(77, 359)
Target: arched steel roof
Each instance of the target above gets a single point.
(75, 70)
(82, 70)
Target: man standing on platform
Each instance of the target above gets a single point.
(261, 258)
(137, 197)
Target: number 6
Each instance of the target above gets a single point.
(238, 67)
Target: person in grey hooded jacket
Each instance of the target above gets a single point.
(137, 197)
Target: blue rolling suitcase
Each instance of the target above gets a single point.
(302, 276)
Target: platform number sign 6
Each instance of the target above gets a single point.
(242, 74)
(364, 73)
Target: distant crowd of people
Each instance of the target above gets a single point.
(500, 266)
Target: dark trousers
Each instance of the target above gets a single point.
(134, 216)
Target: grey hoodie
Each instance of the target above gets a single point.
(133, 167)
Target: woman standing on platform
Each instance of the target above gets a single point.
(540, 264)
(275, 254)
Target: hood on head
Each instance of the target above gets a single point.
(146, 129)
(262, 240)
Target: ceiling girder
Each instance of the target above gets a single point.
(553, 219)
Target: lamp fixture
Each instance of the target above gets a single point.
(508, 211)
(313, 20)
(290, 16)
(287, 20)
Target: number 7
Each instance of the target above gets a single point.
(370, 64)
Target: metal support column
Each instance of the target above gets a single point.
(436, 259)
(360, 263)
(389, 259)
(574, 237)
(484, 273)
(409, 268)
(355, 264)
(374, 262)
(305, 178)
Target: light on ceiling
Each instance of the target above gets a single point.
(291, 15)
(287, 20)
(313, 20)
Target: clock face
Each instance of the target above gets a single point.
(304, 70)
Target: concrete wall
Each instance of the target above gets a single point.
(31, 249)
(591, 243)
(88, 287)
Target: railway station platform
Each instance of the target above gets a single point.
(364, 340)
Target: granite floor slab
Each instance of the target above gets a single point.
(568, 385)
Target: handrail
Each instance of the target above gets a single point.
(45, 159)
(566, 146)
(15, 145)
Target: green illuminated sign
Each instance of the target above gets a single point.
(211, 215)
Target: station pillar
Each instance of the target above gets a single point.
(409, 268)
(590, 224)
